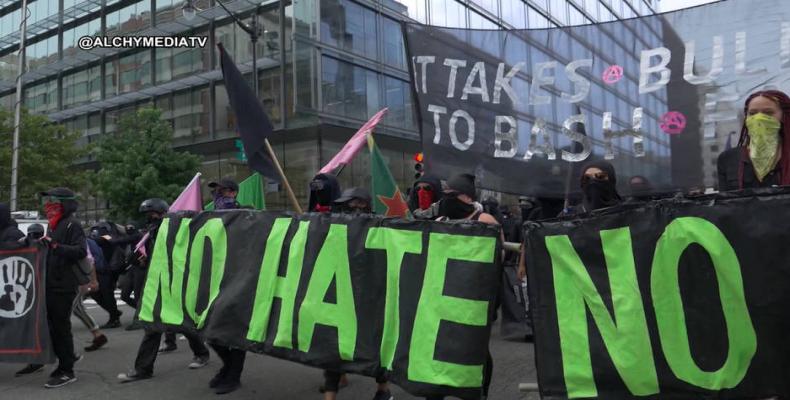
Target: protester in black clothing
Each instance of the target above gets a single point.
(66, 241)
(599, 185)
(458, 203)
(423, 197)
(228, 379)
(762, 157)
(9, 232)
(491, 206)
(355, 200)
(155, 210)
(115, 257)
(324, 190)
(640, 188)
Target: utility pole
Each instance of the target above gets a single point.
(18, 113)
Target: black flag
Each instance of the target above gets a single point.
(252, 123)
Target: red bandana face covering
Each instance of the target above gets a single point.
(322, 209)
(54, 213)
(425, 198)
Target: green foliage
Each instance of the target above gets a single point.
(47, 153)
(138, 162)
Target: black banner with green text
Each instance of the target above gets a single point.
(675, 299)
(359, 294)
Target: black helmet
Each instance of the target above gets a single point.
(155, 205)
(35, 228)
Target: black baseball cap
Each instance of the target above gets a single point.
(354, 193)
(462, 183)
(227, 183)
(60, 192)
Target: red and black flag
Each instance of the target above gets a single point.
(252, 124)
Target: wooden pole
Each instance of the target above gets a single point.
(288, 189)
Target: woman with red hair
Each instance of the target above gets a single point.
(762, 158)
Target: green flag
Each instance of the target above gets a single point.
(387, 198)
(250, 194)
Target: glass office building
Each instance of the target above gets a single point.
(324, 67)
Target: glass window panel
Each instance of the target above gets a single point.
(82, 87)
(536, 19)
(350, 26)
(167, 10)
(449, 13)
(416, 9)
(42, 53)
(397, 97)
(348, 90)
(394, 48)
(71, 36)
(191, 109)
(131, 18)
(559, 10)
(514, 13)
(235, 41)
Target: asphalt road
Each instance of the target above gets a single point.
(264, 377)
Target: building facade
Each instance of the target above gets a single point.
(324, 67)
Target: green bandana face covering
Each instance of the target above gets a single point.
(763, 143)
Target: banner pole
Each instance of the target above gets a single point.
(288, 189)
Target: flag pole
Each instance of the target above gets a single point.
(288, 189)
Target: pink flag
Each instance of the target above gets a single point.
(354, 144)
(189, 200)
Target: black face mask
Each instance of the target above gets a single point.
(599, 194)
(453, 208)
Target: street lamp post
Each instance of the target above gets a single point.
(18, 111)
(189, 11)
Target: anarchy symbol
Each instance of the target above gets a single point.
(673, 122)
(613, 74)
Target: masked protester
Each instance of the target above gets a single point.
(324, 190)
(641, 189)
(9, 233)
(115, 261)
(67, 246)
(599, 185)
(458, 203)
(228, 379)
(423, 197)
(155, 210)
(762, 157)
(355, 201)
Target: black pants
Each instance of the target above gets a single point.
(170, 338)
(59, 319)
(332, 380)
(105, 297)
(232, 362)
(134, 284)
(146, 355)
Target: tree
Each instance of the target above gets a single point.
(138, 162)
(47, 154)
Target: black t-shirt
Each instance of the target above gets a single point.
(730, 164)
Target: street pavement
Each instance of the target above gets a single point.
(264, 378)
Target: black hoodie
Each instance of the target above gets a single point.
(327, 195)
(436, 186)
(8, 228)
(68, 247)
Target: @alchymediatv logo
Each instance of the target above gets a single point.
(17, 291)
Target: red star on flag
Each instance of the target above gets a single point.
(396, 206)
